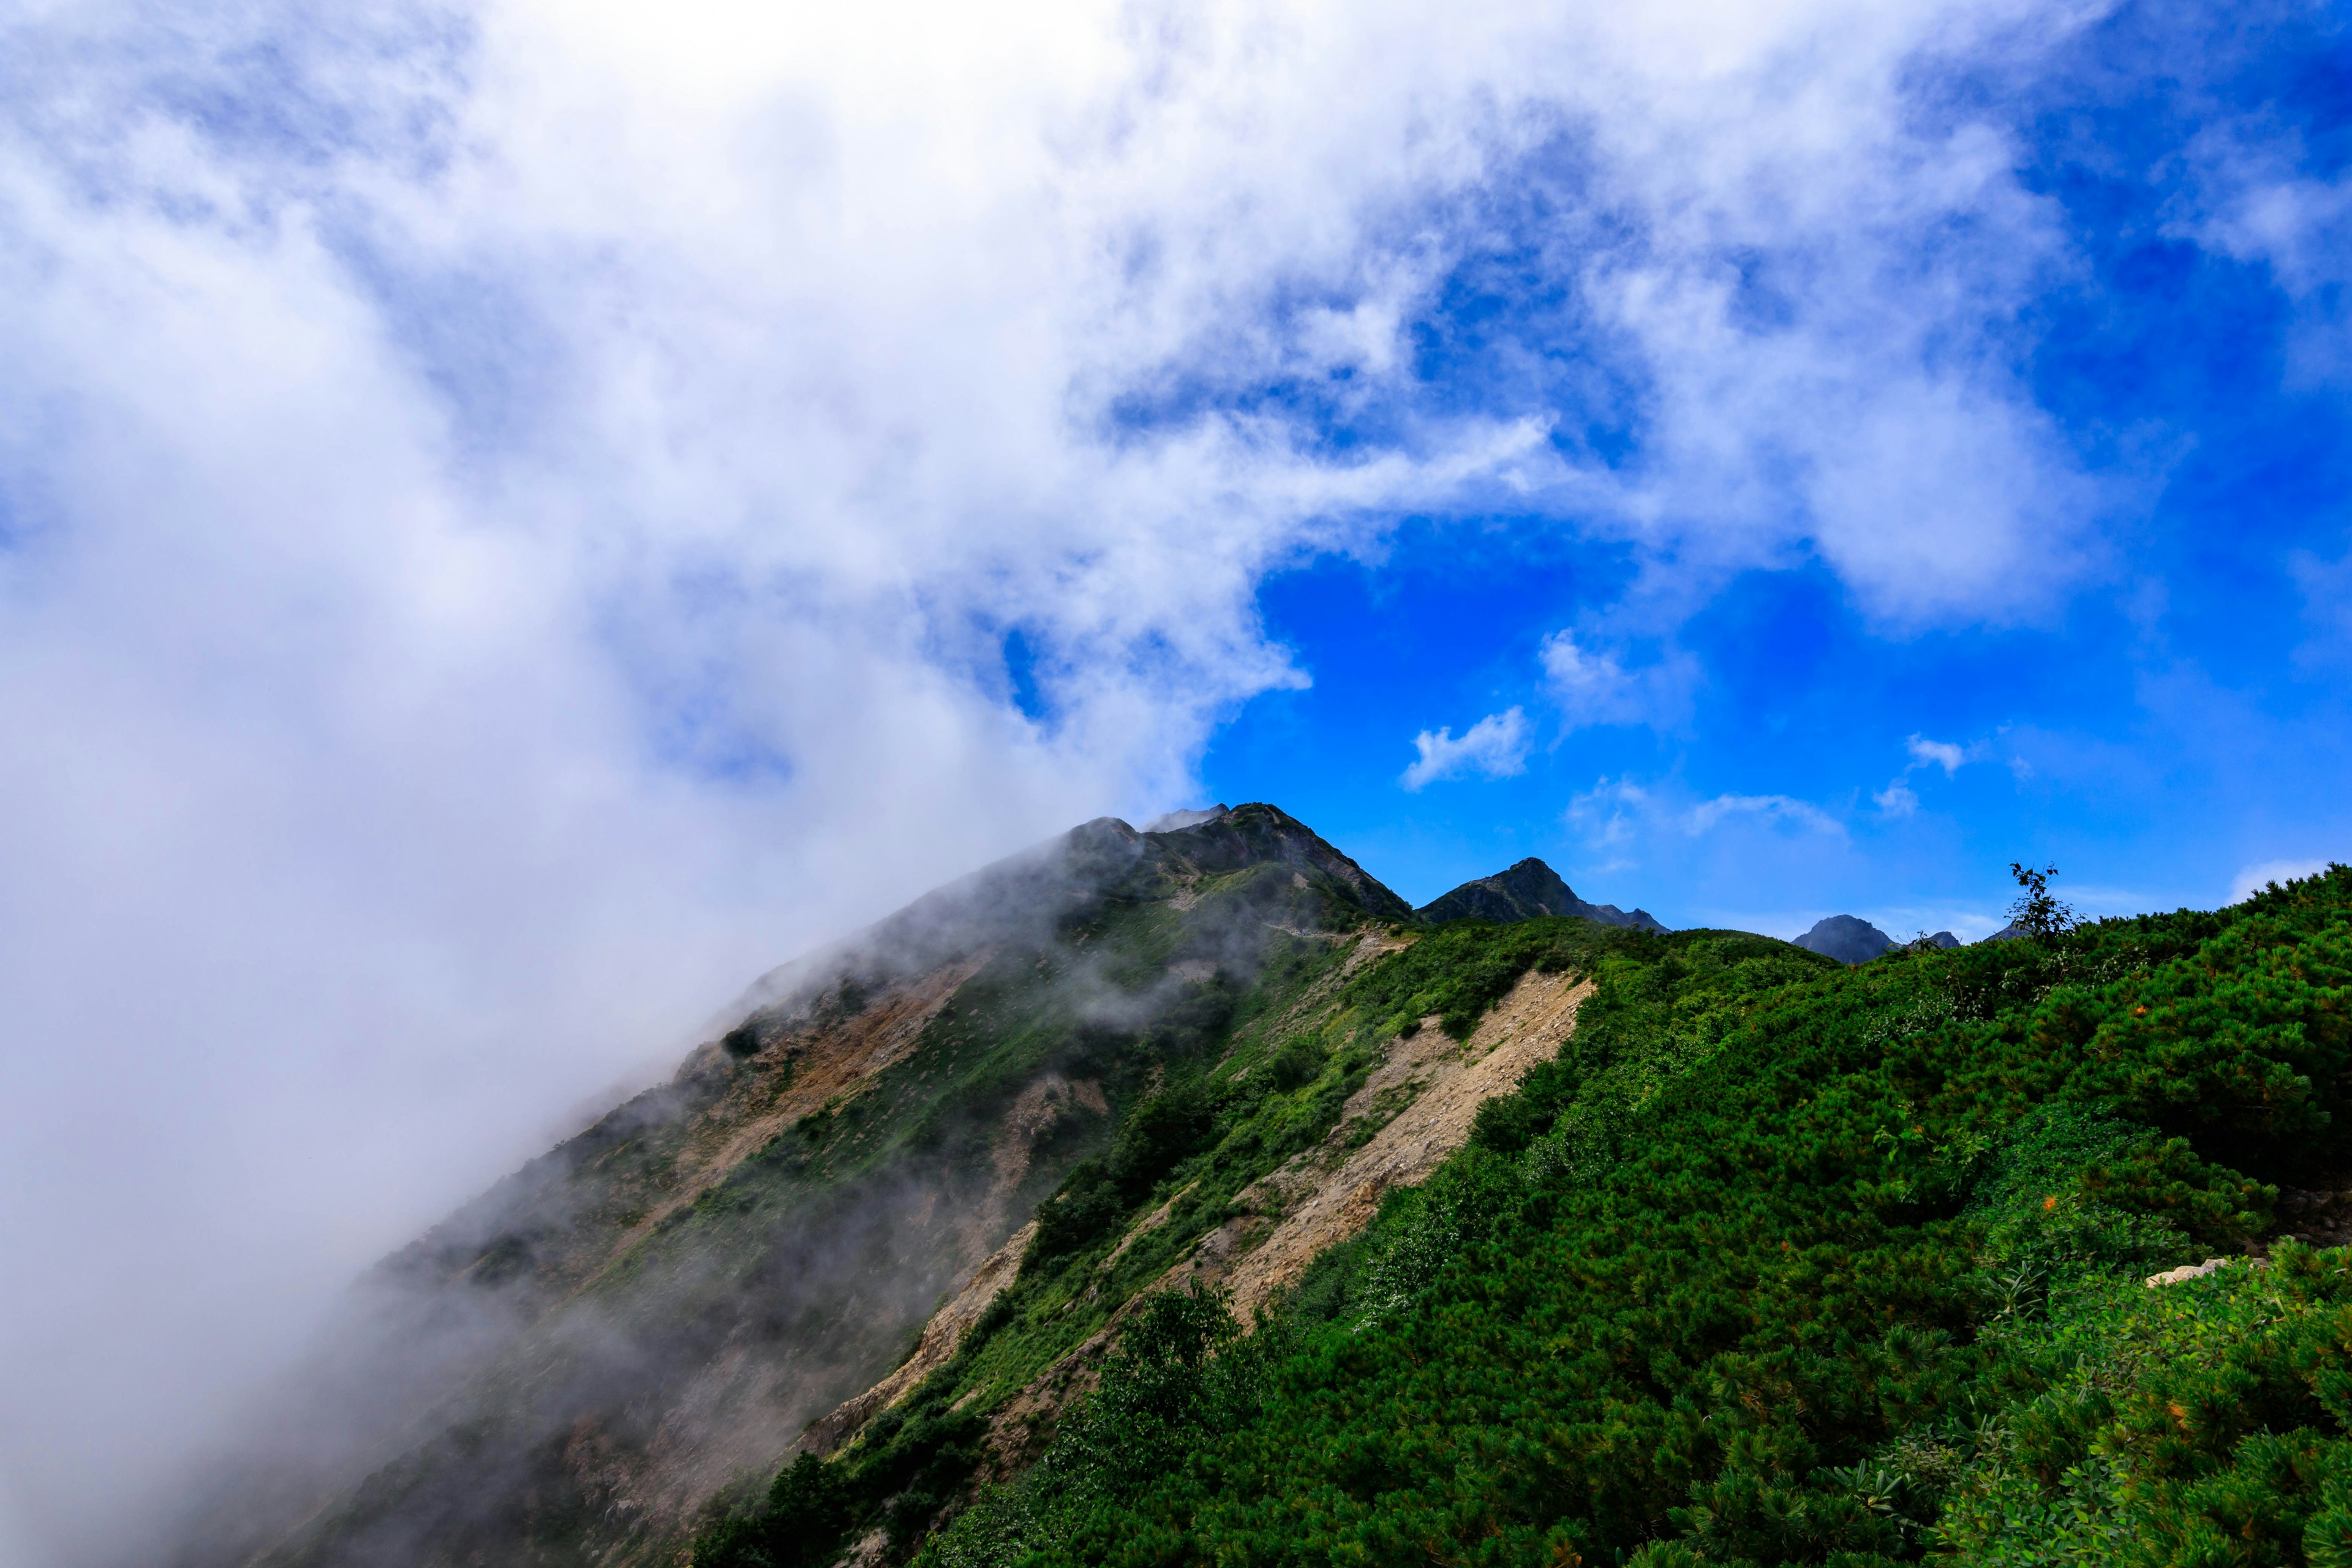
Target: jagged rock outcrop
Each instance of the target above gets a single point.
(1526, 891)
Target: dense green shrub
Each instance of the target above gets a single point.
(1782, 1264)
(808, 1511)
(1778, 1262)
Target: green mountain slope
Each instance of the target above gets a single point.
(1848, 1269)
(1179, 1196)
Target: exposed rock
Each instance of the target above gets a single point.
(1322, 1201)
(2186, 1272)
(1417, 1108)
(941, 1336)
(2321, 1217)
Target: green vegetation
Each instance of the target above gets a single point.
(1778, 1263)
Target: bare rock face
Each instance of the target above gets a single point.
(1333, 1193)
(941, 1336)
(1409, 1114)
(2186, 1272)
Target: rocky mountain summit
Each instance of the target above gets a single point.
(1847, 939)
(1529, 890)
(1851, 940)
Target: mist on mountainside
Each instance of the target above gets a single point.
(598, 1347)
(974, 1230)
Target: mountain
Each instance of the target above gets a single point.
(1179, 1196)
(568, 1368)
(1851, 939)
(1968, 1255)
(1846, 939)
(1526, 891)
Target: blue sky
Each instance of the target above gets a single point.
(2169, 715)
(517, 516)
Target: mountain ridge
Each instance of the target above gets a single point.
(887, 1112)
(902, 1219)
(1526, 891)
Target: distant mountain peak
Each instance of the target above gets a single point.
(1846, 938)
(1528, 890)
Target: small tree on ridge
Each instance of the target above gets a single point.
(2037, 913)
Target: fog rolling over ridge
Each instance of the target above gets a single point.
(574, 1365)
(518, 515)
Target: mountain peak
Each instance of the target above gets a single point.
(1846, 938)
(1259, 834)
(1526, 891)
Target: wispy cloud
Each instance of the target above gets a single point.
(2253, 879)
(2256, 195)
(1496, 746)
(1619, 811)
(1939, 754)
(1594, 687)
(1898, 799)
(1778, 809)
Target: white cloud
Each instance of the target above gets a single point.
(1496, 746)
(1898, 799)
(2253, 878)
(2253, 201)
(511, 514)
(1707, 861)
(1776, 809)
(1596, 688)
(1612, 814)
(1939, 754)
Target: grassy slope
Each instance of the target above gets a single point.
(1780, 1265)
(1273, 1088)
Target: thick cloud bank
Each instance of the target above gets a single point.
(513, 520)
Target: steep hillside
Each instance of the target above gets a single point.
(1296, 1143)
(1529, 890)
(2000, 1254)
(1181, 1196)
(571, 1368)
